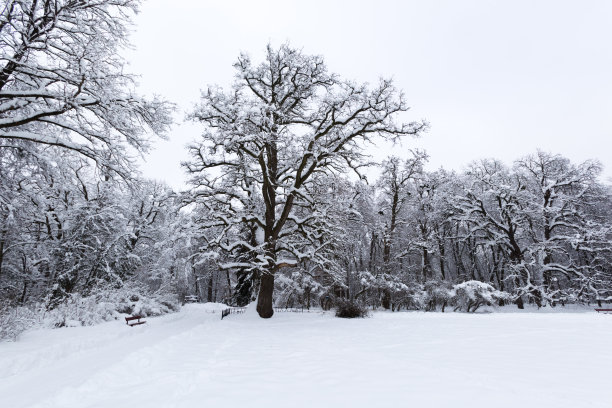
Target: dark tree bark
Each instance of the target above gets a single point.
(1, 255)
(442, 258)
(210, 288)
(264, 300)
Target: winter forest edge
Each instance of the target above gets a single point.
(279, 209)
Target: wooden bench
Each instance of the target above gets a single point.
(129, 321)
(603, 310)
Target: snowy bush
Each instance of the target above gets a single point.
(437, 294)
(396, 293)
(469, 296)
(350, 309)
(136, 301)
(297, 289)
(77, 310)
(110, 304)
(16, 320)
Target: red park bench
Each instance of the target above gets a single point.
(603, 310)
(130, 320)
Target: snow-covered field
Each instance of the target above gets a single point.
(193, 359)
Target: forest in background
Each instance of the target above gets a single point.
(278, 209)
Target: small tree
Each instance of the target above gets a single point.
(469, 296)
(284, 121)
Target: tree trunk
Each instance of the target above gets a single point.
(230, 295)
(210, 287)
(264, 300)
(519, 302)
(442, 258)
(25, 291)
(426, 265)
(216, 288)
(386, 299)
(244, 287)
(1, 255)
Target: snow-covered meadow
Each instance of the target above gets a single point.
(410, 359)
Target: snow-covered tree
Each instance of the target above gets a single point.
(492, 209)
(62, 81)
(570, 232)
(284, 122)
(469, 296)
(394, 185)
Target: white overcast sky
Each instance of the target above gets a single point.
(494, 78)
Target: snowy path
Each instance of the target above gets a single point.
(310, 360)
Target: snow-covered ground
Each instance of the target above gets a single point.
(193, 359)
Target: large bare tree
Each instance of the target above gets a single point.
(284, 121)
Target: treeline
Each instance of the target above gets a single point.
(65, 229)
(539, 230)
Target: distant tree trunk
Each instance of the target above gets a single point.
(24, 262)
(519, 302)
(244, 287)
(25, 291)
(498, 268)
(1, 255)
(426, 265)
(372, 256)
(210, 287)
(442, 258)
(457, 256)
(517, 282)
(229, 286)
(386, 299)
(348, 280)
(216, 288)
(474, 264)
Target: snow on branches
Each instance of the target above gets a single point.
(286, 123)
(62, 81)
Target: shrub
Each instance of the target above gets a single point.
(349, 309)
(16, 320)
(77, 310)
(437, 294)
(469, 296)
